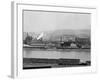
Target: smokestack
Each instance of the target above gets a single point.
(40, 36)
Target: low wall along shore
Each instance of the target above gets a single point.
(53, 61)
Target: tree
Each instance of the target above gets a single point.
(28, 39)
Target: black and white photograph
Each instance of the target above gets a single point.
(56, 39)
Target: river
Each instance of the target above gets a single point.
(82, 54)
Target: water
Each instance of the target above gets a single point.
(83, 55)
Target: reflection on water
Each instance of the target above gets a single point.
(83, 55)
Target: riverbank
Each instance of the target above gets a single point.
(37, 63)
(62, 50)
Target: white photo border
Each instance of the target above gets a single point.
(17, 47)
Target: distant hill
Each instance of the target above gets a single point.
(58, 33)
(55, 35)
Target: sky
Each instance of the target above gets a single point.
(40, 21)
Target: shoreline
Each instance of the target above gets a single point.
(38, 63)
(68, 49)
